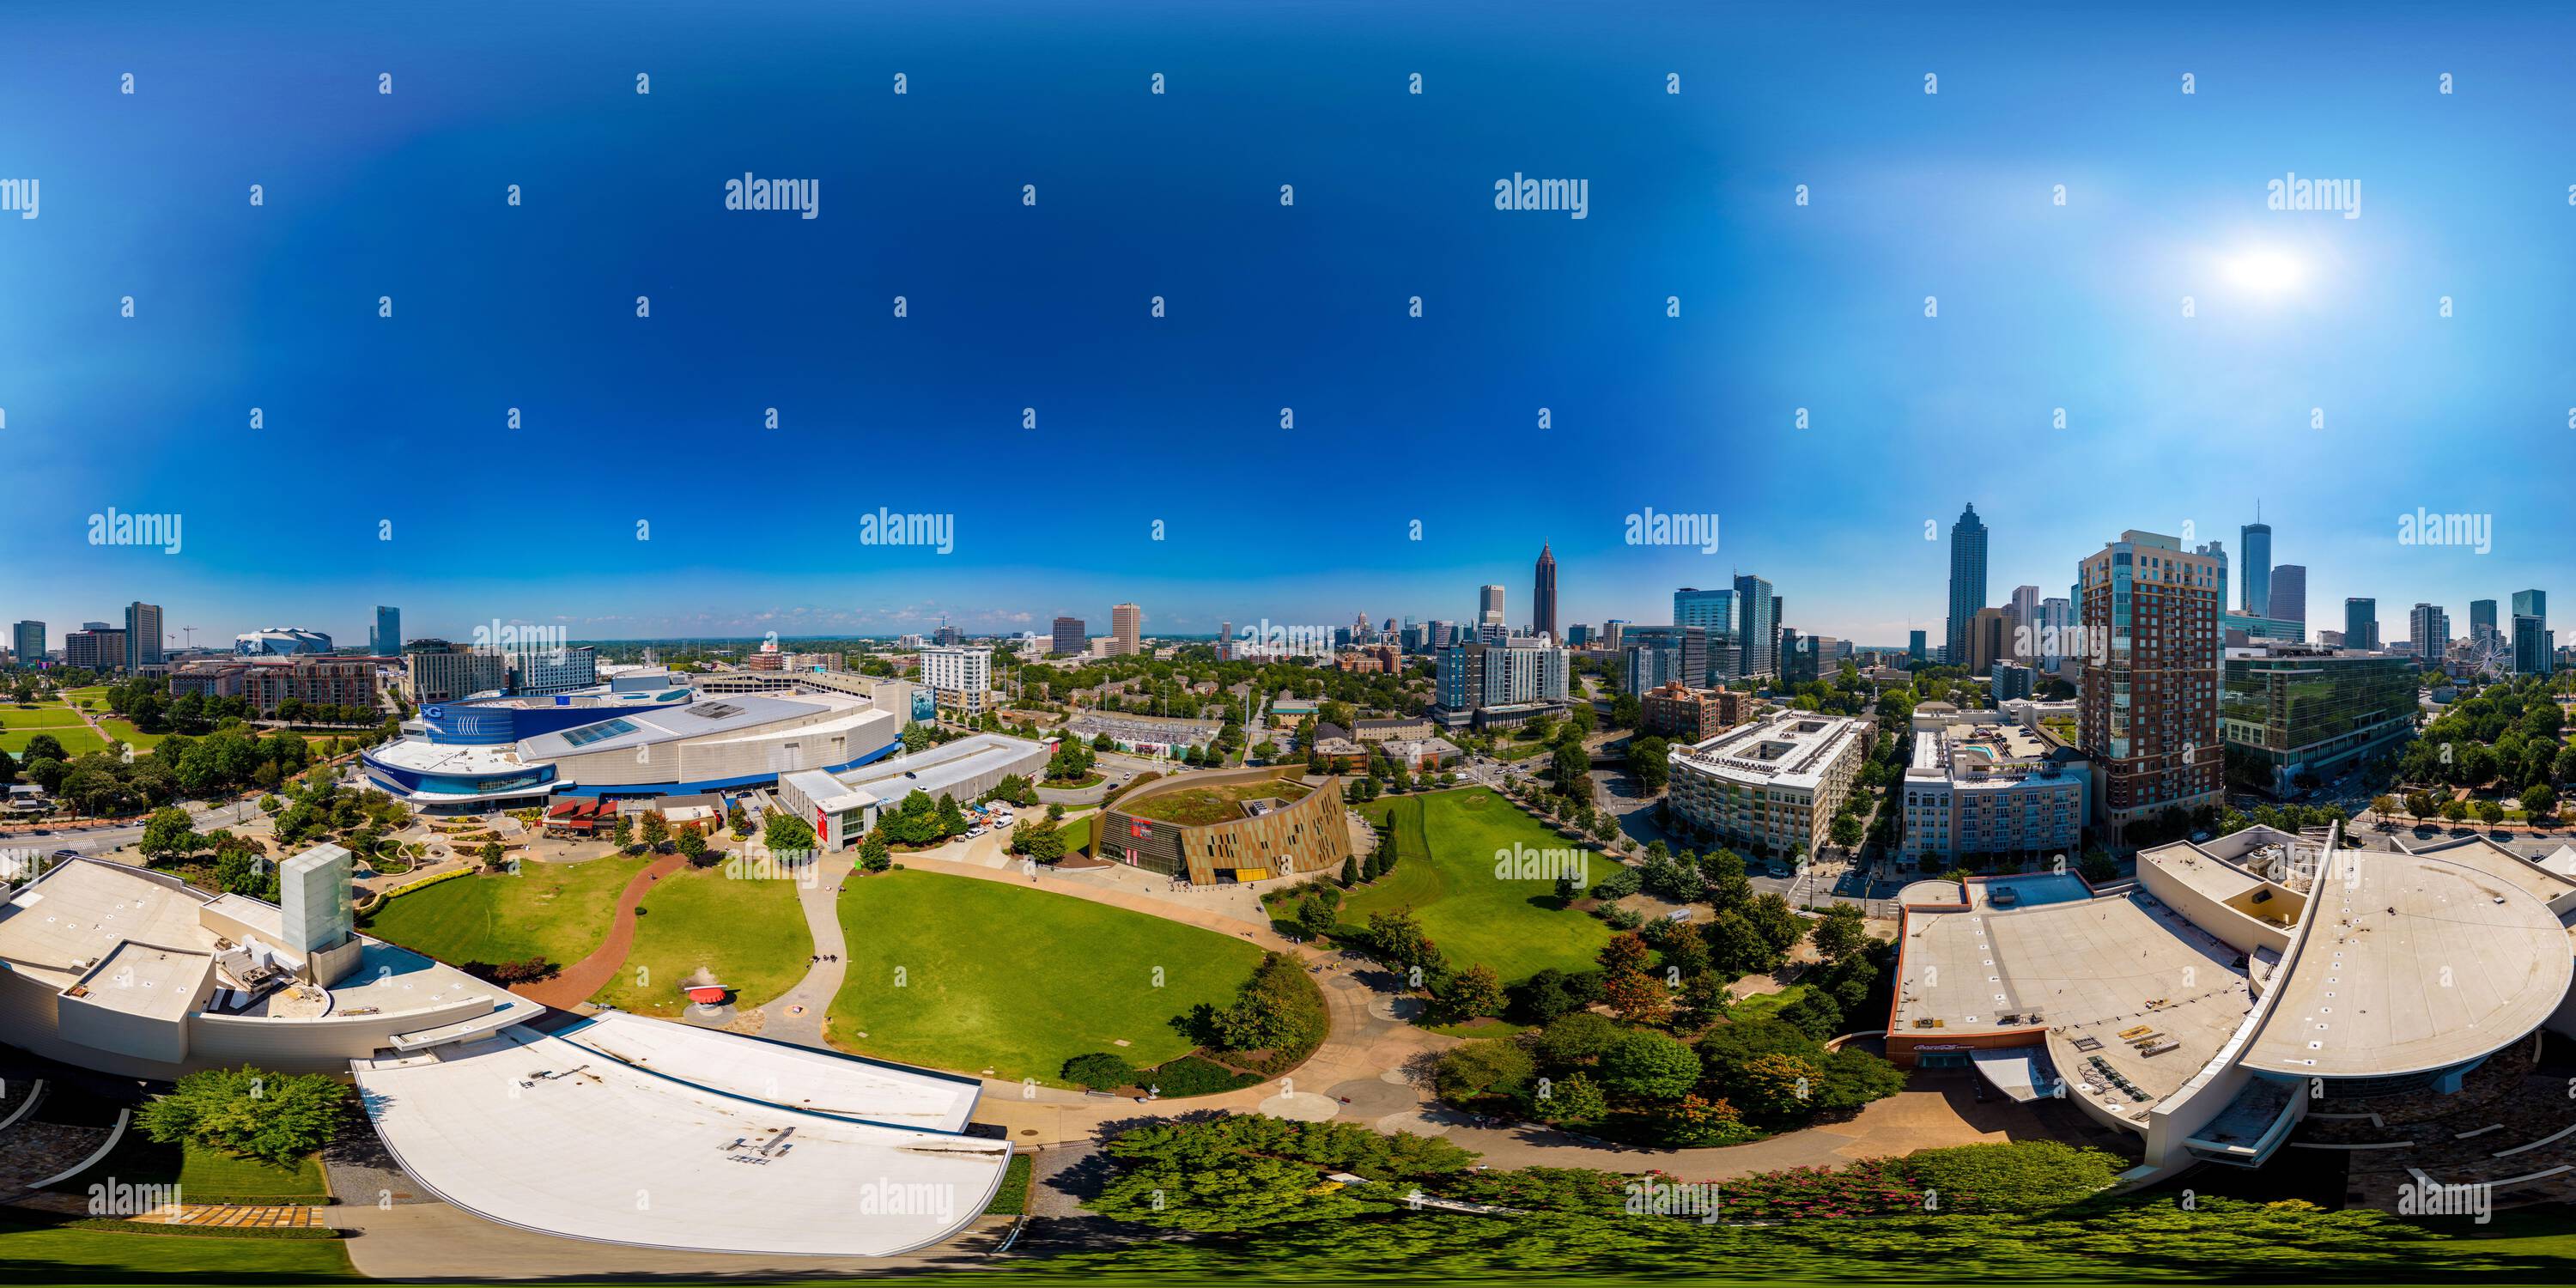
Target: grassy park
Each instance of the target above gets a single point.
(1513, 926)
(76, 738)
(963, 974)
(211, 1175)
(1200, 806)
(559, 911)
(750, 933)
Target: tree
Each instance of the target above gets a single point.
(2385, 807)
(1491, 1067)
(1648, 760)
(2539, 801)
(657, 829)
(952, 818)
(1623, 955)
(1468, 994)
(623, 832)
(874, 856)
(693, 847)
(169, 834)
(786, 835)
(1100, 1071)
(1644, 1065)
(1574, 1099)
(1039, 842)
(1846, 830)
(274, 1117)
(1350, 871)
(1316, 918)
(1575, 1039)
(1226, 1193)
(1842, 933)
(491, 853)
(2490, 812)
(1396, 938)
(1636, 998)
(2455, 810)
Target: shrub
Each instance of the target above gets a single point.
(1477, 1069)
(275, 1117)
(1100, 1071)
(1195, 1075)
(1644, 1065)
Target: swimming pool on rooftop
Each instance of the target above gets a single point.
(2037, 889)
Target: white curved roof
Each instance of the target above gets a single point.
(542, 1132)
(2414, 963)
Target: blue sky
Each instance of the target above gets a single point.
(370, 422)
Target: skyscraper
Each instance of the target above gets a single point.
(1914, 646)
(2258, 566)
(1543, 597)
(2360, 623)
(1489, 606)
(2430, 628)
(2288, 593)
(1967, 582)
(1757, 625)
(2482, 620)
(2022, 623)
(142, 636)
(2148, 708)
(1067, 637)
(387, 640)
(27, 642)
(1126, 622)
(2532, 653)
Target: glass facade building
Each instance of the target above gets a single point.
(2285, 711)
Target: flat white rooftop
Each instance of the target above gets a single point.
(785, 1075)
(548, 1134)
(1792, 749)
(2414, 963)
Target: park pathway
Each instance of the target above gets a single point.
(574, 984)
(798, 1014)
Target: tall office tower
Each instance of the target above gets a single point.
(1438, 633)
(2023, 621)
(1780, 633)
(2532, 652)
(1068, 637)
(1914, 646)
(1757, 626)
(96, 646)
(2257, 538)
(2148, 711)
(1125, 628)
(1489, 606)
(1967, 582)
(1224, 640)
(1989, 641)
(1543, 597)
(1714, 609)
(2360, 623)
(387, 641)
(2482, 620)
(27, 642)
(142, 636)
(2430, 628)
(2056, 617)
(2287, 595)
(1668, 654)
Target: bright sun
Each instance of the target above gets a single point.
(2266, 272)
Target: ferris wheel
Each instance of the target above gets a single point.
(2490, 657)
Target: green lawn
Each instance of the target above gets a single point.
(44, 1255)
(1077, 834)
(46, 716)
(1763, 1006)
(123, 730)
(750, 933)
(559, 911)
(77, 740)
(211, 1176)
(1475, 917)
(1008, 977)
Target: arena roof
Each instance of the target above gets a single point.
(2414, 963)
(554, 1134)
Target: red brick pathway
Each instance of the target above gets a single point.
(575, 983)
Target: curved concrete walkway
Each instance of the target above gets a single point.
(574, 984)
(799, 1014)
